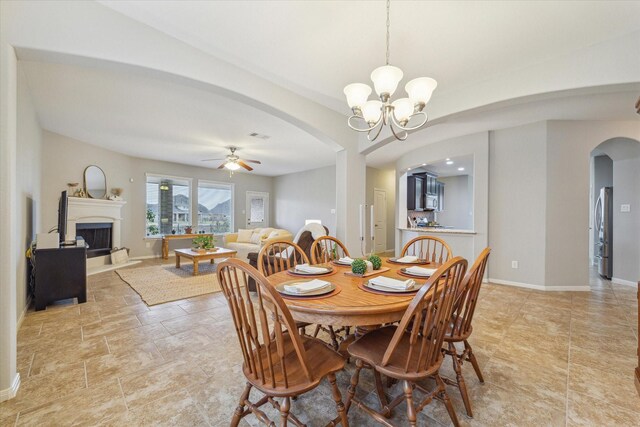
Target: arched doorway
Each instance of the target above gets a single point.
(614, 232)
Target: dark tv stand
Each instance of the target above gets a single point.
(59, 273)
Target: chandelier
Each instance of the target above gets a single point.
(397, 114)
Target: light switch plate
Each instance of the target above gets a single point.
(625, 208)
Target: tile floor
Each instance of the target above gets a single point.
(548, 359)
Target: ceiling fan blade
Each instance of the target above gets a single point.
(210, 160)
(252, 161)
(222, 165)
(244, 165)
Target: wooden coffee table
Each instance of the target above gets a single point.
(203, 256)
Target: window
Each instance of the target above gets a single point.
(168, 205)
(215, 207)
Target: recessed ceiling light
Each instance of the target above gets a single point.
(447, 159)
(408, 169)
(460, 169)
(449, 162)
(424, 164)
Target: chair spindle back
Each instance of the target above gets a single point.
(280, 255)
(427, 318)
(430, 248)
(327, 248)
(465, 304)
(263, 347)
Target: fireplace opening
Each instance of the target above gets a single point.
(98, 237)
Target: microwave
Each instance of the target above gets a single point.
(431, 203)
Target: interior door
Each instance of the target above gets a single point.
(257, 209)
(380, 220)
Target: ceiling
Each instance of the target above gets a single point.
(317, 47)
(616, 105)
(145, 116)
(443, 170)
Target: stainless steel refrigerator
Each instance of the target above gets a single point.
(603, 217)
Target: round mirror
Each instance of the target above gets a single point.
(95, 183)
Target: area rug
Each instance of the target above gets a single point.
(164, 283)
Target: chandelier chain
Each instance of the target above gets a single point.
(388, 25)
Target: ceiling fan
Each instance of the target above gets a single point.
(233, 162)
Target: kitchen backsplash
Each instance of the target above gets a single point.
(419, 215)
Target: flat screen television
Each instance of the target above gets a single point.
(62, 216)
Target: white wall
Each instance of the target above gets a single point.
(476, 144)
(9, 378)
(65, 160)
(384, 179)
(305, 195)
(458, 202)
(569, 147)
(538, 199)
(517, 193)
(626, 225)
(28, 170)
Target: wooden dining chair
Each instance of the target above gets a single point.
(460, 327)
(280, 255)
(326, 249)
(430, 248)
(411, 353)
(278, 361)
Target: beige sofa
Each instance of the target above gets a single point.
(259, 237)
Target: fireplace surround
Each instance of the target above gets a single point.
(96, 219)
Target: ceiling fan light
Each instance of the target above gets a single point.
(421, 89)
(371, 111)
(402, 109)
(232, 166)
(357, 94)
(386, 78)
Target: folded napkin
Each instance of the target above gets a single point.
(420, 271)
(388, 282)
(408, 259)
(306, 268)
(345, 260)
(306, 287)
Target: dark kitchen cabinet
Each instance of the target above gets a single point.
(431, 184)
(440, 192)
(415, 192)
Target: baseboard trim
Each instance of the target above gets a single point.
(516, 284)
(540, 287)
(24, 313)
(10, 393)
(147, 257)
(623, 282)
(567, 288)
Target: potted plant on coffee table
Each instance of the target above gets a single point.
(203, 244)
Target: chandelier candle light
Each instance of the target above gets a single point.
(379, 113)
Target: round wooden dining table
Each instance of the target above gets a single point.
(352, 306)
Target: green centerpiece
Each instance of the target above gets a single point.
(359, 266)
(204, 243)
(376, 261)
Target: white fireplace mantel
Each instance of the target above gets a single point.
(81, 210)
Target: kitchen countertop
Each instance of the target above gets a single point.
(435, 230)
